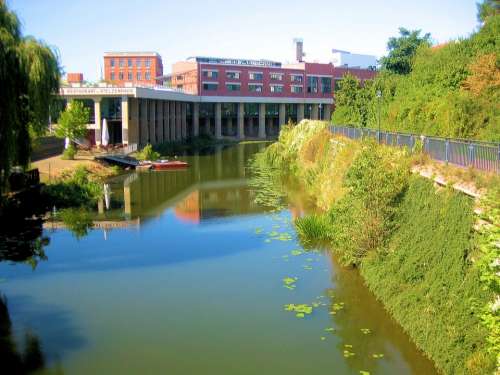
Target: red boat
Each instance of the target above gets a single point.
(169, 164)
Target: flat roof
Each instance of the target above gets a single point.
(233, 61)
(131, 53)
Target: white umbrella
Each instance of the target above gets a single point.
(105, 133)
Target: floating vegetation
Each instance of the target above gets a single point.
(290, 282)
(323, 338)
(348, 354)
(337, 306)
(301, 310)
(366, 331)
(296, 252)
(258, 230)
(377, 356)
(307, 267)
(364, 372)
(309, 259)
(330, 329)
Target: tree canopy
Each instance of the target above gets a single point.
(487, 9)
(73, 121)
(402, 50)
(452, 90)
(29, 78)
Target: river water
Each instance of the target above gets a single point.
(186, 276)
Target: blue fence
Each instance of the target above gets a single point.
(480, 155)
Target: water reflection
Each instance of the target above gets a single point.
(15, 360)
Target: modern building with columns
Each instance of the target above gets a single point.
(141, 115)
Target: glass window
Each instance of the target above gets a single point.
(147, 62)
(139, 76)
(129, 76)
(276, 76)
(138, 62)
(276, 88)
(296, 89)
(326, 85)
(122, 63)
(180, 78)
(337, 83)
(210, 74)
(210, 86)
(147, 76)
(233, 75)
(296, 78)
(233, 86)
(129, 63)
(254, 88)
(256, 76)
(312, 84)
(112, 76)
(112, 63)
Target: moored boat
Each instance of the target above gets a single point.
(169, 164)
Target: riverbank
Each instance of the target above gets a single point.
(417, 246)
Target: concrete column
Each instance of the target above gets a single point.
(97, 121)
(125, 120)
(282, 114)
(172, 122)
(166, 130)
(270, 126)
(152, 122)
(196, 119)
(314, 112)
(300, 112)
(159, 121)
(327, 111)
(184, 120)
(143, 122)
(218, 120)
(241, 121)
(133, 131)
(262, 120)
(178, 121)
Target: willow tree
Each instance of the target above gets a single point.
(29, 80)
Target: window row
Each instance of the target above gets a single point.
(253, 76)
(130, 62)
(130, 76)
(252, 87)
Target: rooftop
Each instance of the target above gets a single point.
(131, 53)
(233, 61)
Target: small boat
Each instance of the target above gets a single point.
(169, 164)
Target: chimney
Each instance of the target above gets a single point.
(299, 49)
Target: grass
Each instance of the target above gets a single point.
(416, 246)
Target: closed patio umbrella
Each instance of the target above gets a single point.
(105, 133)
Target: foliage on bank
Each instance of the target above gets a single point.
(451, 90)
(415, 246)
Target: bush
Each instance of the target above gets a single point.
(69, 153)
(147, 153)
(77, 220)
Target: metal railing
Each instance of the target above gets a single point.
(476, 154)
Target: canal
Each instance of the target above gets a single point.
(190, 273)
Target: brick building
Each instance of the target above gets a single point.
(133, 67)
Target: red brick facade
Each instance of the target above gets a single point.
(134, 67)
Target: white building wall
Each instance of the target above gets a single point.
(353, 60)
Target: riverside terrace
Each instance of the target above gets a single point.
(141, 115)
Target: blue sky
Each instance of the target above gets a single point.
(83, 30)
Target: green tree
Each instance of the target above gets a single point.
(402, 49)
(73, 121)
(487, 9)
(29, 80)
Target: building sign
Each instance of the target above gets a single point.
(217, 60)
(89, 91)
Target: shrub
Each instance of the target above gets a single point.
(147, 153)
(69, 153)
